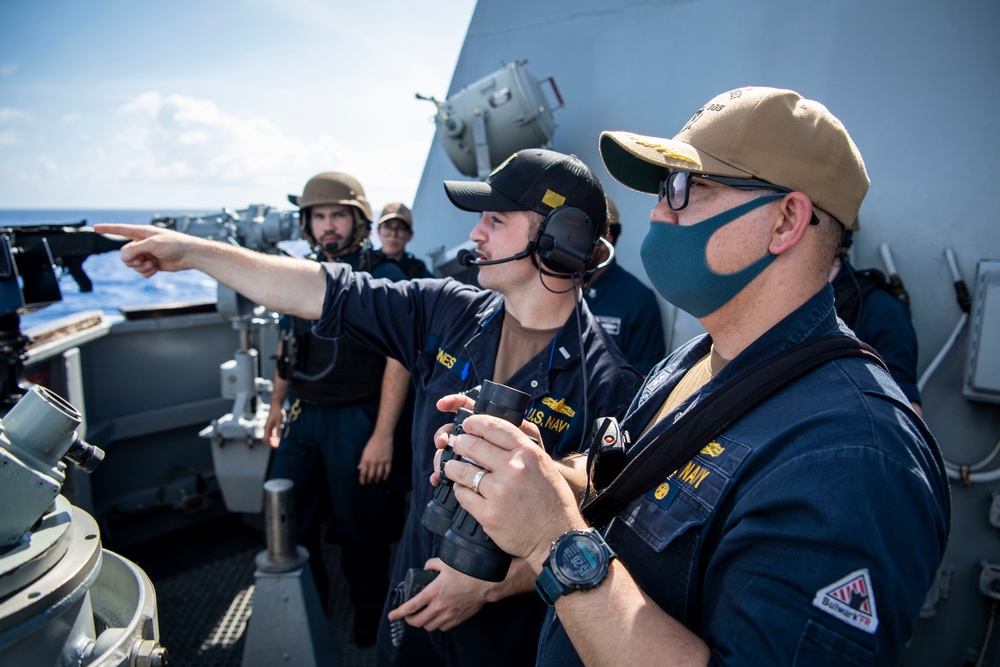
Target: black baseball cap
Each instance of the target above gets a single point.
(537, 180)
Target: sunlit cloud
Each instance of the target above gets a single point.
(177, 138)
(11, 115)
(231, 122)
(46, 164)
(9, 136)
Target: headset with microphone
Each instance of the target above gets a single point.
(468, 258)
(565, 245)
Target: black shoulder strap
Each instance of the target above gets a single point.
(681, 440)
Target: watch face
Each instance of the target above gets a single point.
(580, 560)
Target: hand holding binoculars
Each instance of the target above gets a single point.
(466, 547)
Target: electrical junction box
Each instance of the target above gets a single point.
(982, 370)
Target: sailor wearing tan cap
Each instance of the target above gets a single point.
(805, 531)
(395, 230)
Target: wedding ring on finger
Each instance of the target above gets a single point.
(476, 480)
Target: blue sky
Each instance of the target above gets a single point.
(211, 103)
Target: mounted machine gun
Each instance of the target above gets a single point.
(29, 258)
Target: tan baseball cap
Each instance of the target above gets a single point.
(397, 211)
(763, 133)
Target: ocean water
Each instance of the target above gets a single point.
(115, 285)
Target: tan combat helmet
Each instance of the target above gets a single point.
(333, 187)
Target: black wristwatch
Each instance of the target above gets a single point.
(577, 561)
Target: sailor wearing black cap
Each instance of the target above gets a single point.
(542, 214)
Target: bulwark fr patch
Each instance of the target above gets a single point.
(851, 600)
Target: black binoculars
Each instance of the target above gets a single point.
(466, 547)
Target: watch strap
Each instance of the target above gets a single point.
(548, 585)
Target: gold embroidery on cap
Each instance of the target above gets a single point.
(553, 199)
(663, 150)
(503, 164)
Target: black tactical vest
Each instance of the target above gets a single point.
(333, 371)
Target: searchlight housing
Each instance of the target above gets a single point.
(485, 122)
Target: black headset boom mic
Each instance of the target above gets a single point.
(468, 258)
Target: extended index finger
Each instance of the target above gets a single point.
(134, 232)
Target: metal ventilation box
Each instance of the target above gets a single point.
(982, 370)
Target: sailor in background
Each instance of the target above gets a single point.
(809, 530)
(626, 308)
(344, 401)
(868, 305)
(395, 230)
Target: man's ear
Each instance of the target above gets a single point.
(796, 211)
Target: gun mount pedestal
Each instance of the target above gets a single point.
(239, 454)
(287, 625)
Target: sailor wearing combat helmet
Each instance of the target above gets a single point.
(337, 444)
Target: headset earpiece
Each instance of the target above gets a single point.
(565, 241)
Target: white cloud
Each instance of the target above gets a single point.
(177, 138)
(11, 115)
(233, 121)
(46, 164)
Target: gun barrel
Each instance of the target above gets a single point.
(38, 249)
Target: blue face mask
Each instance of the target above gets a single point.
(675, 261)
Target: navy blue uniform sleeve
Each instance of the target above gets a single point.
(816, 569)
(390, 317)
